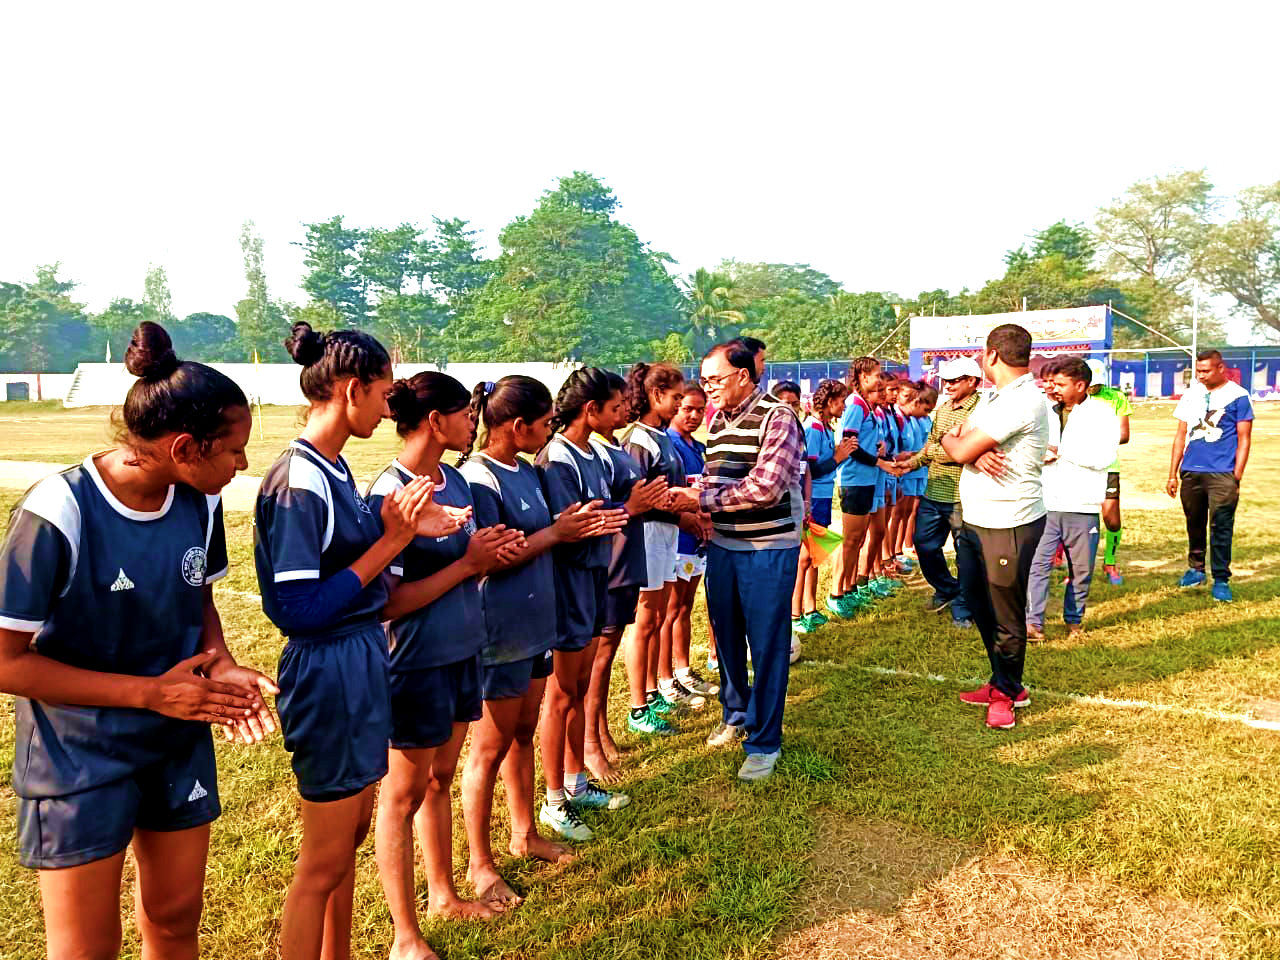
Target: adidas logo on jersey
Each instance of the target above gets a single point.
(524, 505)
(122, 582)
(197, 793)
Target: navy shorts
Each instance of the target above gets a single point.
(580, 602)
(857, 501)
(620, 608)
(335, 711)
(505, 680)
(426, 703)
(178, 793)
(820, 510)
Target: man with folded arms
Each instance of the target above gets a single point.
(1002, 445)
(1084, 436)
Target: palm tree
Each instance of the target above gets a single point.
(716, 310)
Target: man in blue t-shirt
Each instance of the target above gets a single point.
(1210, 451)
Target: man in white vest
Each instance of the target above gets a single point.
(752, 487)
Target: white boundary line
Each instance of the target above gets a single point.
(1221, 716)
(1200, 712)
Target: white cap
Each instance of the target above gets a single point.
(960, 367)
(1099, 372)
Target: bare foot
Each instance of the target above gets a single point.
(540, 848)
(413, 950)
(492, 890)
(460, 909)
(612, 753)
(598, 763)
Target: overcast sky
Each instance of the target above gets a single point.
(898, 148)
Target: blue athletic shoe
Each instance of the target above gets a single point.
(1192, 578)
(1221, 591)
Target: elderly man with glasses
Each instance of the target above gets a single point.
(753, 488)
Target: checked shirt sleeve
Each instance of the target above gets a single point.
(779, 464)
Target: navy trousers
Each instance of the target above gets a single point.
(750, 609)
(935, 521)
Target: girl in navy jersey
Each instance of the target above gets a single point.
(320, 555)
(653, 397)
(628, 572)
(691, 562)
(436, 631)
(519, 604)
(573, 472)
(111, 642)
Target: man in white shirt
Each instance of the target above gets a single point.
(1002, 445)
(1084, 435)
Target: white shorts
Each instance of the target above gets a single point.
(660, 554)
(690, 565)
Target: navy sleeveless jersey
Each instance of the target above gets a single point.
(309, 524)
(520, 603)
(653, 448)
(627, 563)
(450, 628)
(571, 475)
(107, 588)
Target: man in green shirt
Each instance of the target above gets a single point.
(1118, 402)
(936, 516)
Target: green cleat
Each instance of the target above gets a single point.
(800, 625)
(650, 724)
(816, 620)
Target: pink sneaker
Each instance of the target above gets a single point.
(982, 696)
(1000, 712)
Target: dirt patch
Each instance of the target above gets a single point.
(884, 892)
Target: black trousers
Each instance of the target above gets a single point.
(1209, 501)
(994, 568)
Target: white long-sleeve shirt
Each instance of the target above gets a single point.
(1077, 481)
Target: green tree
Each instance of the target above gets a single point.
(760, 281)
(260, 323)
(716, 310)
(1154, 237)
(571, 283)
(41, 327)
(451, 259)
(207, 337)
(1242, 257)
(156, 295)
(115, 325)
(334, 276)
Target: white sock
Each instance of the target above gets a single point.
(682, 673)
(575, 783)
(555, 797)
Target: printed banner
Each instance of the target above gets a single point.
(1075, 325)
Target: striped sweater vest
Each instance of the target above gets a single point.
(732, 450)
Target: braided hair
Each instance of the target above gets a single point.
(411, 401)
(585, 385)
(643, 379)
(330, 357)
(514, 397)
(858, 369)
(827, 391)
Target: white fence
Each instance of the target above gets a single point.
(40, 386)
(105, 384)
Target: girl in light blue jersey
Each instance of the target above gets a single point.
(111, 642)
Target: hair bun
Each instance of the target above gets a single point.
(304, 344)
(150, 354)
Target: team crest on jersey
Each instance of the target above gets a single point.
(360, 504)
(469, 526)
(193, 566)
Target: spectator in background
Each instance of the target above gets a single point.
(1002, 445)
(1084, 435)
(937, 517)
(788, 391)
(1210, 452)
(758, 350)
(1119, 403)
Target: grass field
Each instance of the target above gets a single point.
(897, 825)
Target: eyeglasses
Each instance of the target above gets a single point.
(715, 381)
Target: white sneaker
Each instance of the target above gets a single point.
(758, 766)
(725, 734)
(796, 647)
(564, 820)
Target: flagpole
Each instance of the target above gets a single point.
(257, 377)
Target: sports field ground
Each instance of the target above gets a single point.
(1134, 812)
